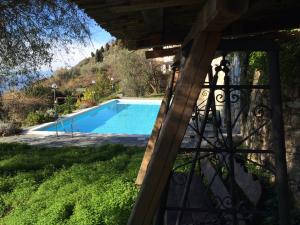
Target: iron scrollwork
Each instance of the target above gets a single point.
(219, 155)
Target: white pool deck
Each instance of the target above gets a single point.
(78, 140)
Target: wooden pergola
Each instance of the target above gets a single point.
(201, 28)
(157, 23)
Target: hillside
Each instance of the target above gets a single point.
(135, 75)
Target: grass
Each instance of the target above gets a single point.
(67, 185)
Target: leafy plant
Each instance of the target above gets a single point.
(258, 61)
(68, 107)
(68, 185)
(38, 117)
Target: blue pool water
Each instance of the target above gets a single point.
(115, 117)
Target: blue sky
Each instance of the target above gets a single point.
(99, 37)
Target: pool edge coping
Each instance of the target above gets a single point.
(34, 130)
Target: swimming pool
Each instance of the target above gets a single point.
(134, 117)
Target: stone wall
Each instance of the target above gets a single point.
(291, 109)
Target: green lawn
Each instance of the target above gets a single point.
(67, 185)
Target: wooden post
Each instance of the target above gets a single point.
(173, 129)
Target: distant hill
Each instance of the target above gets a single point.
(137, 76)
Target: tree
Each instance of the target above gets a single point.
(99, 56)
(102, 87)
(107, 46)
(30, 31)
(133, 70)
(155, 77)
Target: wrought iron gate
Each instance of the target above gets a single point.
(215, 182)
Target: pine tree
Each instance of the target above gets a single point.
(99, 56)
(107, 46)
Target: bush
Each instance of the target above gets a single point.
(38, 117)
(102, 88)
(67, 107)
(9, 128)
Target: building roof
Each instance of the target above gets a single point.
(153, 23)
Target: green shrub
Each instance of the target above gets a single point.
(289, 64)
(101, 89)
(67, 185)
(68, 107)
(38, 117)
(89, 95)
(258, 61)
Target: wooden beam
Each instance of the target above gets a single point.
(173, 128)
(215, 16)
(155, 40)
(156, 53)
(178, 55)
(145, 5)
(186, 94)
